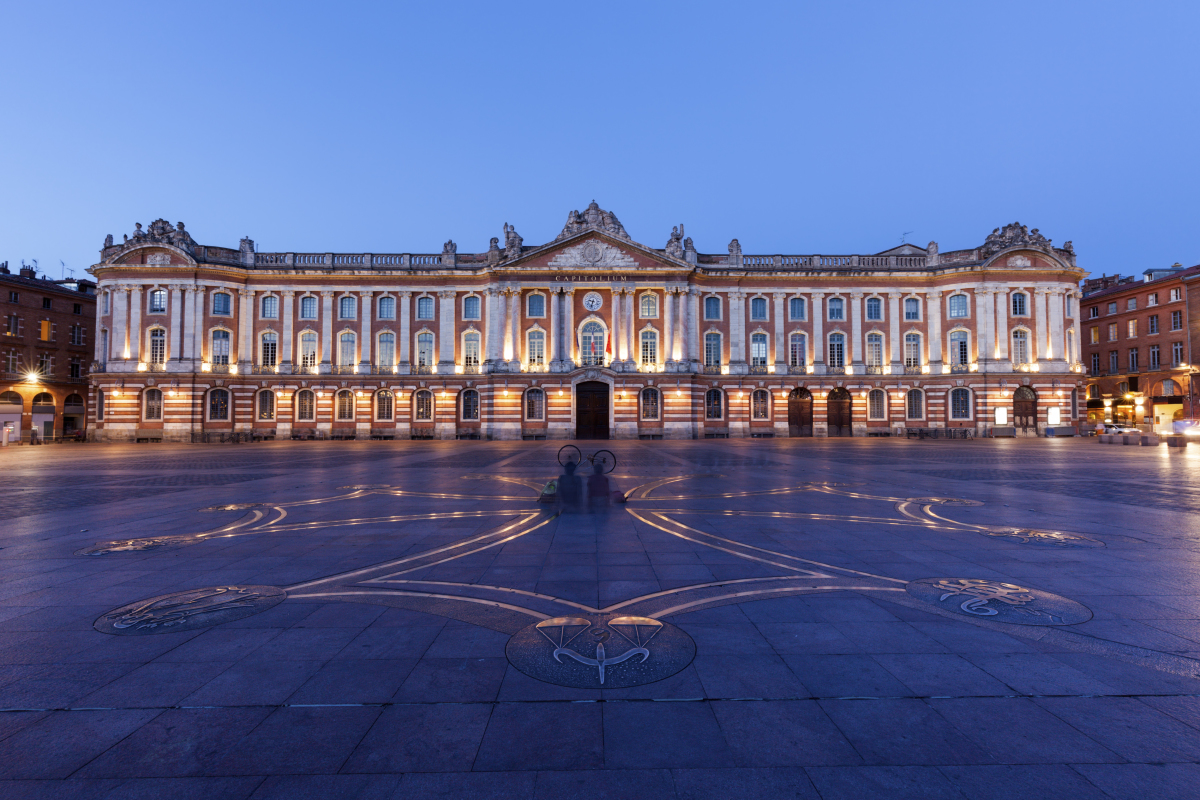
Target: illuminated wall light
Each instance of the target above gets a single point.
(142, 366)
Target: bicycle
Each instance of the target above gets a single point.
(605, 458)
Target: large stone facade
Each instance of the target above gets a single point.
(592, 334)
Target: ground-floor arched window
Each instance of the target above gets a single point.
(535, 404)
(423, 406)
(345, 405)
(960, 403)
(305, 405)
(266, 404)
(470, 405)
(877, 404)
(714, 404)
(154, 404)
(915, 400)
(218, 405)
(383, 406)
(650, 398)
(760, 403)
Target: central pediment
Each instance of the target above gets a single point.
(592, 253)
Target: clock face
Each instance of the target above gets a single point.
(592, 301)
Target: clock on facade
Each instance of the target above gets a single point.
(592, 301)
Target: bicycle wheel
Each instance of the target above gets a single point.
(606, 459)
(569, 452)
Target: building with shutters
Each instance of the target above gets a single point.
(590, 335)
(46, 348)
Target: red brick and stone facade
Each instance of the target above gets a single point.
(592, 334)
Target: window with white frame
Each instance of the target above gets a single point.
(471, 307)
(1176, 353)
(1020, 304)
(535, 349)
(220, 347)
(347, 349)
(154, 405)
(345, 405)
(306, 404)
(758, 350)
(760, 402)
(1177, 294)
(269, 308)
(874, 349)
(384, 403)
(1020, 347)
(471, 349)
(649, 306)
(158, 346)
(470, 405)
(308, 307)
(347, 308)
(758, 308)
(712, 349)
(425, 308)
(1131, 304)
(960, 403)
(960, 348)
(218, 405)
(385, 352)
(650, 401)
(837, 308)
(425, 349)
(796, 308)
(714, 404)
(269, 349)
(592, 341)
(874, 308)
(649, 351)
(1176, 320)
(915, 404)
(912, 349)
(535, 404)
(266, 405)
(712, 308)
(308, 349)
(876, 404)
(837, 350)
(912, 309)
(221, 303)
(158, 301)
(957, 306)
(535, 305)
(423, 406)
(797, 350)
(387, 308)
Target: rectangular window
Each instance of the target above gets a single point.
(424, 349)
(347, 308)
(912, 350)
(536, 348)
(875, 401)
(912, 309)
(875, 350)
(14, 297)
(158, 301)
(46, 303)
(387, 308)
(1131, 304)
(958, 306)
(11, 325)
(1019, 308)
(348, 354)
(712, 308)
(75, 334)
(796, 308)
(424, 308)
(158, 346)
(875, 308)
(471, 307)
(270, 307)
(220, 347)
(1112, 331)
(1176, 353)
(1133, 359)
(12, 361)
(269, 348)
(712, 349)
(536, 306)
(1094, 334)
(308, 308)
(1177, 294)
(78, 309)
(1112, 308)
(1095, 363)
(837, 308)
(1155, 359)
(960, 351)
(1176, 320)
(837, 350)
(649, 348)
(75, 370)
(1152, 324)
(385, 353)
(221, 303)
(758, 308)
(1152, 300)
(797, 350)
(1114, 363)
(1131, 329)
(471, 350)
(1093, 312)
(44, 330)
(758, 350)
(308, 349)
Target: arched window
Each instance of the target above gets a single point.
(471, 307)
(797, 350)
(649, 304)
(650, 400)
(158, 346)
(73, 400)
(960, 348)
(221, 304)
(912, 309)
(220, 347)
(874, 349)
(424, 349)
(649, 341)
(158, 301)
(308, 307)
(875, 308)
(912, 349)
(712, 349)
(423, 406)
(714, 404)
(266, 404)
(218, 404)
(154, 405)
(535, 349)
(425, 307)
(837, 350)
(385, 353)
(11, 399)
(1020, 304)
(1093, 392)
(347, 351)
(760, 401)
(42, 399)
(347, 307)
(387, 308)
(915, 404)
(957, 306)
(305, 405)
(1169, 387)
(758, 349)
(535, 404)
(308, 349)
(877, 404)
(837, 308)
(758, 308)
(345, 405)
(712, 308)
(960, 403)
(383, 405)
(591, 344)
(535, 305)
(471, 349)
(270, 307)
(796, 308)
(470, 405)
(270, 349)
(1020, 347)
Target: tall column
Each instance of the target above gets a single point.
(1046, 327)
(188, 323)
(984, 328)
(511, 298)
(895, 346)
(285, 346)
(780, 346)
(200, 311)
(737, 331)
(1076, 356)
(630, 326)
(135, 322)
(366, 310)
(616, 331)
(493, 338)
(569, 327)
(818, 327)
(677, 300)
(405, 299)
(120, 306)
(1002, 325)
(176, 318)
(667, 354)
(326, 330)
(856, 326)
(245, 352)
(555, 333)
(933, 316)
(693, 327)
(446, 331)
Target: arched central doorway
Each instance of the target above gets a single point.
(1025, 409)
(591, 410)
(839, 413)
(800, 412)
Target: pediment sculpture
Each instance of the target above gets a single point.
(160, 232)
(593, 218)
(1014, 235)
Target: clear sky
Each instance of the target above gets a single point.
(824, 127)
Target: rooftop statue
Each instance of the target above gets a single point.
(592, 218)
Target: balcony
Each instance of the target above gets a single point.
(712, 369)
(758, 369)
(914, 369)
(343, 369)
(472, 369)
(265, 369)
(874, 369)
(831, 370)
(797, 369)
(959, 368)
(422, 369)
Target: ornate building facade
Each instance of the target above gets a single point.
(591, 335)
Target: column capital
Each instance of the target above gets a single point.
(856, 295)
(444, 294)
(895, 295)
(934, 294)
(821, 295)
(365, 295)
(406, 295)
(288, 294)
(327, 294)
(779, 295)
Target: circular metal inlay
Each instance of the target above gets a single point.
(1045, 538)
(190, 610)
(233, 507)
(592, 301)
(1002, 602)
(126, 546)
(600, 651)
(591, 252)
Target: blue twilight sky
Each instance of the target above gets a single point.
(795, 127)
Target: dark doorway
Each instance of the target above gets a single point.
(800, 412)
(591, 410)
(1025, 409)
(839, 413)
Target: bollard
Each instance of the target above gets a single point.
(1176, 441)
(1150, 440)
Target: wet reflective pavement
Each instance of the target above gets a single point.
(827, 618)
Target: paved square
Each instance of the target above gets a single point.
(830, 618)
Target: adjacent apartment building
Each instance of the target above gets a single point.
(46, 348)
(589, 335)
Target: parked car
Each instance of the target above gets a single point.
(1120, 429)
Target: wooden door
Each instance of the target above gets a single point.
(839, 413)
(1025, 409)
(591, 410)
(800, 413)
